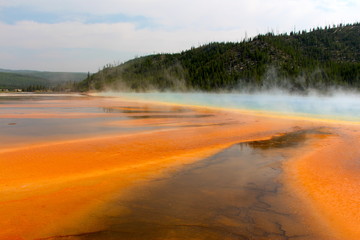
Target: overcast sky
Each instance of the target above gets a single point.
(84, 35)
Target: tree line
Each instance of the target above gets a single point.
(317, 59)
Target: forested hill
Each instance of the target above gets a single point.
(297, 61)
(36, 80)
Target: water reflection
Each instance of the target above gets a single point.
(171, 116)
(37, 117)
(236, 194)
(155, 112)
(132, 109)
(31, 118)
(287, 140)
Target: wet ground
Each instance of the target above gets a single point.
(235, 194)
(149, 171)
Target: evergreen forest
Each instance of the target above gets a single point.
(320, 59)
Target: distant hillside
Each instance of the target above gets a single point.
(298, 61)
(12, 79)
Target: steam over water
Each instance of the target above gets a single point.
(342, 106)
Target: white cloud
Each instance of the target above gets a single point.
(117, 36)
(121, 38)
(206, 14)
(174, 26)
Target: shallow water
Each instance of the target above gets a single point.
(37, 118)
(342, 106)
(235, 194)
(24, 125)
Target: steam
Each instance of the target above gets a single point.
(340, 105)
(174, 78)
(306, 83)
(308, 96)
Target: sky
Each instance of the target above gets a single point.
(85, 35)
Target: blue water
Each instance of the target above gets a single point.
(344, 106)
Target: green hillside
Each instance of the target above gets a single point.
(37, 80)
(319, 59)
(54, 77)
(17, 81)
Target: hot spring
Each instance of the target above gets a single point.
(337, 106)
